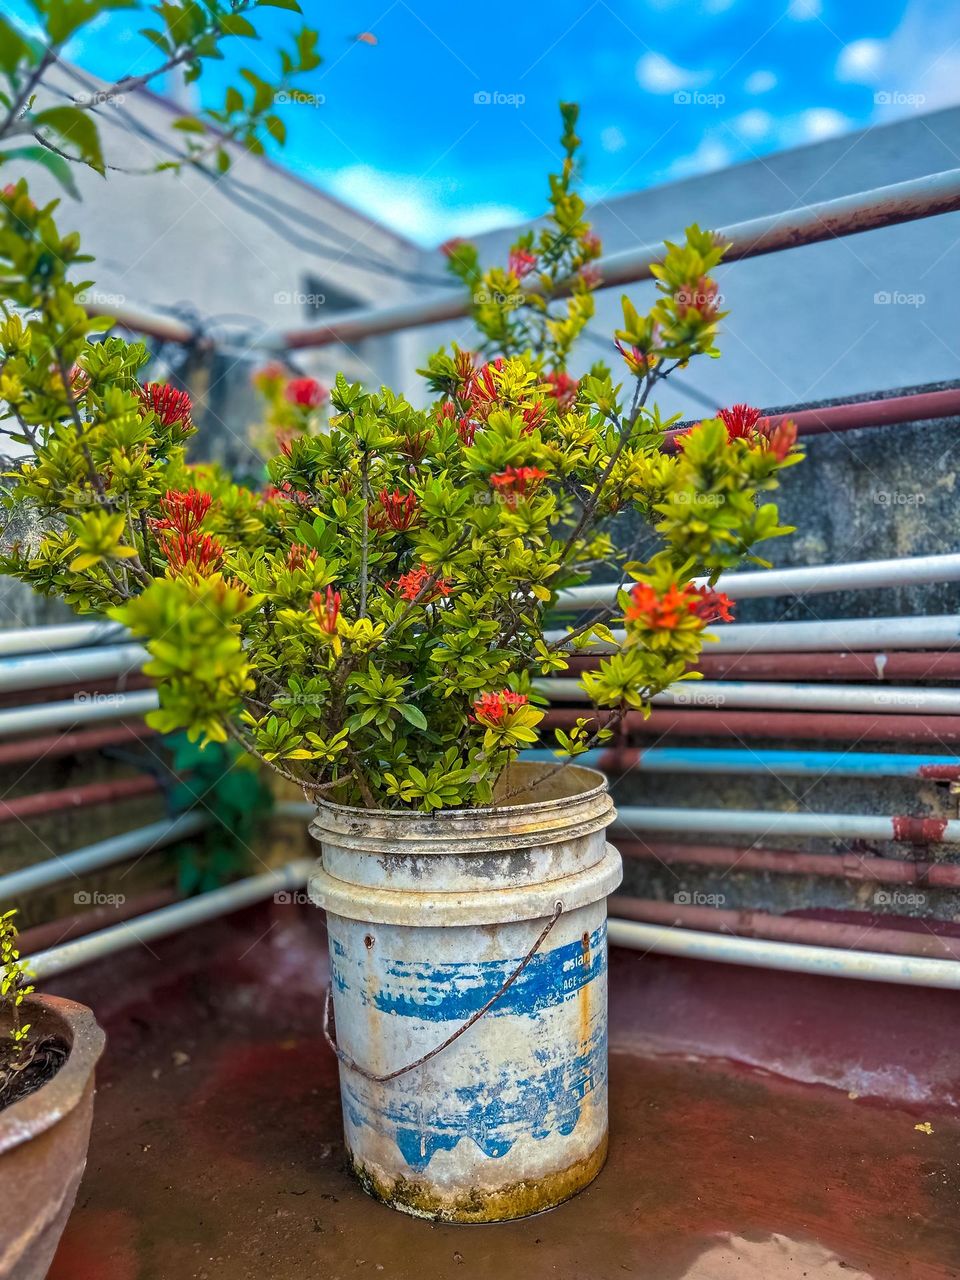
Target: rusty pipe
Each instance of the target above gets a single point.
(781, 725)
(54, 745)
(835, 866)
(83, 797)
(774, 928)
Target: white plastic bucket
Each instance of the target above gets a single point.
(429, 918)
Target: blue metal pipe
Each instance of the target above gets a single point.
(787, 764)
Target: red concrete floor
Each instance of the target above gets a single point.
(217, 1151)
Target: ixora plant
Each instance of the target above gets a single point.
(371, 624)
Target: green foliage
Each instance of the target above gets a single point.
(15, 984)
(187, 34)
(371, 625)
(225, 781)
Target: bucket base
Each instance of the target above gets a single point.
(518, 1200)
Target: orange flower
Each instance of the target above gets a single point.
(410, 585)
(516, 482)
(490, 708)
(168, 405)
(326, 610)
(667, 611)
(399, 510)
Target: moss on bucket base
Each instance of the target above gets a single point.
(519, 1200)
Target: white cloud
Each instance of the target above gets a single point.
(861, 60)
(612, 139)
(804, 10)
(752, 124)
(760, 82)
(823, 122)
(711, 154)
(921, 67)
(414, 207)
(658, 74)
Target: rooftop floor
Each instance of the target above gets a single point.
(217, 1150)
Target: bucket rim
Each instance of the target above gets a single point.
(487, 811)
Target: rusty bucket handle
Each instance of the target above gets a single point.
(465, 1026)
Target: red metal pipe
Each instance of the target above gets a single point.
(764, 924)
(943, 664)
(774, 725)
(837, 866)
(60, 692)
(51, 746)
(93, 793)
(919, 407)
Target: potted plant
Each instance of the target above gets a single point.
(48, 1051)
(373, 625)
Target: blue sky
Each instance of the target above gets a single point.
(448, 124)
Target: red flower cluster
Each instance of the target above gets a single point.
(198, 551)
(168, 405)
(398, 509)
(743, 422)
(516, 482)
(533, 417)
(591, 276)
(521, 263)
(409, 585)
(563, 388)
(490, 708)
(308, 393)
(665, 612)
(268, 375)
(184, 511)
(414, 445)
(298, 556)
(286, 490)
(483, 390)
(326, 610)
(449, 247)
(179, 528)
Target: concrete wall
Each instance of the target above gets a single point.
(804, 325)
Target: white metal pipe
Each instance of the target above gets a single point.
(793, 957)
(845, 635)
(83, 709)
(766, 822)
(861, 211)
(105, 853)
(70, 635)
(95, 663)
(795, 697)
(858, 576)
(159, 924)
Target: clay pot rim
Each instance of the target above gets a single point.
(33, 1115)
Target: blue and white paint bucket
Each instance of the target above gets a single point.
(469, 980)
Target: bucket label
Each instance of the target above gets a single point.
(453, 992)
(494, 1112)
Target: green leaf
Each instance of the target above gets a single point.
(60, 168)
(413, 715)
(77, 129)
(13, 48)
(232, 24)
(189, 124)
(291, 5)
(276, 128)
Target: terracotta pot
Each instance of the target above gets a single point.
(43, 1142)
